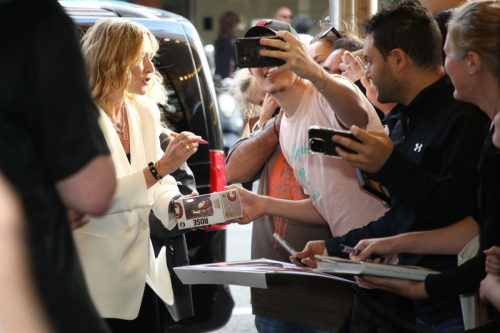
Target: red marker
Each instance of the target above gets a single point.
(203, 142)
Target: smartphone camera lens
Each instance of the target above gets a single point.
(317, 145)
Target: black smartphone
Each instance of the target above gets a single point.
(373, 186)
(320, 141)
(247, 53)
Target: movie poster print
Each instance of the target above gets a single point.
(197, 207)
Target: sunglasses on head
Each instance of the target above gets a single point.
(326, 32)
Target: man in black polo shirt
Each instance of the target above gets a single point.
(52, 151)
(430, 166)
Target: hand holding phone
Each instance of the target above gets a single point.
(248, 56)
(287, 246)
(361, 63)
(320, 141)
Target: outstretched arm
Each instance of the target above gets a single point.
(248, 156)
(457, 236)
(340, 93)
(255, 206)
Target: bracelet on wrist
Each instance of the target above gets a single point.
(154, 170)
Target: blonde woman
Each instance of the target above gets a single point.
(124, 277)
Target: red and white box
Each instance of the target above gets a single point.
(208, 209)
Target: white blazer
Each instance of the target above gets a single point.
(115, 249)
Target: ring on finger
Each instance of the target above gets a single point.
(287, 46)
(187, 147)
(182, 142)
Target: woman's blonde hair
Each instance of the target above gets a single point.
(111, 48)
(475, 26)
(240, 88)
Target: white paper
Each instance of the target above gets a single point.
(249, 273)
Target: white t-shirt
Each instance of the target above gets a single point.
(331, 182)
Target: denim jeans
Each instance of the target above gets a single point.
(455, 324)
(268, 325)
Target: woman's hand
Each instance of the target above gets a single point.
(407, 288)
(384, 247)
(493, 260)
(309, 252)
(178, 151)
(252, 205)
(350, 67)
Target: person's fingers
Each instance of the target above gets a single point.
(348, 143)
(288, 37)
(343, 67)
(233, 187)
(363, 283)
(365, 82)
(362, 244)
(349, 57)
(181, 136)
(380, 134)
(296, 262)
(364, 136)
(310, 262)
(355, 160)
(495, 250)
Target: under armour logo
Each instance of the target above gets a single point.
(418, 147)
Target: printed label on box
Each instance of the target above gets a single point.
(208, 209)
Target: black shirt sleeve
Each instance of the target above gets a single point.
(375, 229)
(446, 284)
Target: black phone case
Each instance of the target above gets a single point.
(247, 53)
(324, 135)
(368, 183)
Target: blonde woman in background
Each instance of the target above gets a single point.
(123, 276)
(257, 106)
